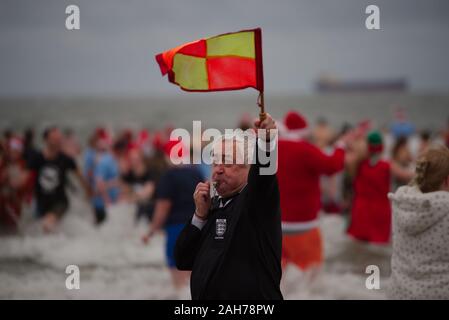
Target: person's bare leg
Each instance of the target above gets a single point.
(186, 277)
(179, 278)
(49, 222)
(284, 264)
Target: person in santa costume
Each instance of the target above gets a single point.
(300, 165)
(371, 209)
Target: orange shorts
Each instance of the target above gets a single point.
(302, 249)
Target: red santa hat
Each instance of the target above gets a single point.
(295, 127)
(143, 138)
(103, 137)
(181, 150)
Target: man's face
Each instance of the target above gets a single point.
(228, 178)
(54, 139)
(136, 159)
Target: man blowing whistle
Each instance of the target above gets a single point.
(233, 242)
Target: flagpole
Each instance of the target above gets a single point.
(261, 103)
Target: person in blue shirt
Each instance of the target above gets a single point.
(173, 208)
(105, 176)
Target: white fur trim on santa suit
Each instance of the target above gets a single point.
(294, 227)
(292, 135)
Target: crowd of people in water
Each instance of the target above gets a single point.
(350, 171)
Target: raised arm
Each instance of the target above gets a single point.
(322, 163)
(400, 173)
(263, 190)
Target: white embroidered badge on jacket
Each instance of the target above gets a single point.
(220, 228)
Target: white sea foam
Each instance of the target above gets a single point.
(114, 264)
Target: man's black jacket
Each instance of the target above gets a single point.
(237, 254)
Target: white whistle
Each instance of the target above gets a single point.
(213, 190)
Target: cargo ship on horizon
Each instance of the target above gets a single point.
(329, 84)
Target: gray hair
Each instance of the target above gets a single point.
(244, 142)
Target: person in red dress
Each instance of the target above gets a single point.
(371, 209)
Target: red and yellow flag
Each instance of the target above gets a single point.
(229, 61)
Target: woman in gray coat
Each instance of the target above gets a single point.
(420, 261)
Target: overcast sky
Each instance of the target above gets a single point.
(113, 52)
